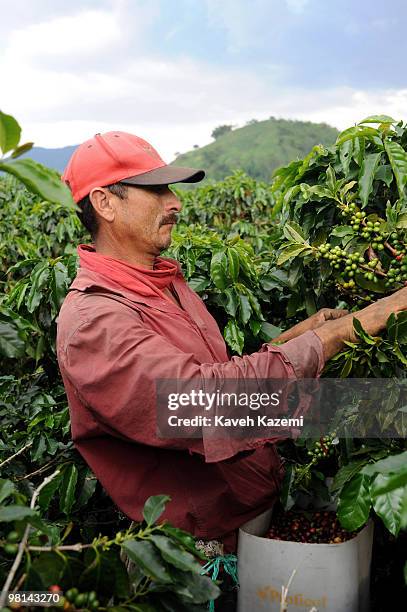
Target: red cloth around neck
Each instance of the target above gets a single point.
(143, 281)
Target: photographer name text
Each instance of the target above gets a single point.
(222, 421)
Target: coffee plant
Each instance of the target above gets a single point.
(329, 231)
(344, 216)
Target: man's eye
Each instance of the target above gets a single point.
(158, 189)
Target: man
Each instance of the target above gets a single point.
(130, 319)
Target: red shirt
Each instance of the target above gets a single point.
(112, 345)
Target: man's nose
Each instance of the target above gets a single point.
(172, 202)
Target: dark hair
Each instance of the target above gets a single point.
(88, 216)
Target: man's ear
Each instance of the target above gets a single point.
(103, 203)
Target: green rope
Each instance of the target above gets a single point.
(229, 563)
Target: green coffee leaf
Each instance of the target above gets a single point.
(173, 554)
(361, 334)
(58, 285)
(245, 309)
(233, 263)
(234, 336)
(154, 507)
(40, 180)
(367, 176)
(392, 464)
(10, 132)
(14, 512)
(67, 491)
(39, 279)
(12, 344)
(398, 161)
(377, 119)
(200, 589)
(291, 251)
(355, 502)
(182, 537)
(357, 132)
(22, 149)
(230, 302)
(48, 492)
(387, 505)
(6, 489)
(293, 232)
(346, 473)
(218, 269)
(148, 558)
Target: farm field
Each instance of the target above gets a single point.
(328, 231)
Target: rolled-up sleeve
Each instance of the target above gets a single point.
(305, 354)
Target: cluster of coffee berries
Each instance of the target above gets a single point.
(384, 260)
(397, 272)
(11, 546)
(348, 264)
(323, 448)
(360, 222)
(355, 217)
(74, 600)
(311, 528)
(340, 259)
(374, 231)
(373, 264)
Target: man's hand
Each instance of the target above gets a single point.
(324, 315)
(313, 322)
(373, 318)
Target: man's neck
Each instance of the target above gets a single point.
(143, 260)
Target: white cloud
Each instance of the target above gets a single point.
(186, 117)
(87, 32)
(175, 103)
(345, 106)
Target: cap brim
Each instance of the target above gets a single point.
(166, 175)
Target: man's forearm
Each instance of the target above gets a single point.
(333, 335)
(291, 333)
(313, 322)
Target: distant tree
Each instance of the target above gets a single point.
(252, 121)
(177, 153)
(196, 146)
(221, 130)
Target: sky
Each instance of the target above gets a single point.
(172, 70)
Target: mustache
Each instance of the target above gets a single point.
(168, 219)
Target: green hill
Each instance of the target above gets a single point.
(258, 148)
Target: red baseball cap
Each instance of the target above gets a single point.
(121, 157)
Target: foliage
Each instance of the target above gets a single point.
(226, 275)
(165, 574)
(40, 180)
(253, 252)
(221, 130)
(381, 485)
(258, 148)
(344, 211)
(237, 206)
